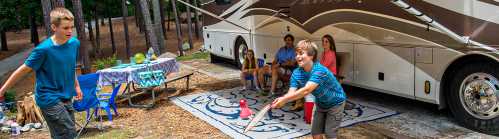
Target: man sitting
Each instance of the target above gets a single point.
(284, 60)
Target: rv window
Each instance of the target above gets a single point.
(222, 2)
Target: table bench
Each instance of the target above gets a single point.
(185, 75)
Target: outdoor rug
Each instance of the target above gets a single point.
(221, 109)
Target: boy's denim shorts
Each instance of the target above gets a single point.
(60, 120)
(327, 121)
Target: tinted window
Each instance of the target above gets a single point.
(222, 2)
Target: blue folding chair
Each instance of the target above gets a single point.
(250, 77)
(106, 102)
(88, 86)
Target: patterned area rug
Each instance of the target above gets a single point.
(221, 109)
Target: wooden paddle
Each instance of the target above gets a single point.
(259, 116)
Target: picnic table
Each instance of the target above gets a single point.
(129, 74)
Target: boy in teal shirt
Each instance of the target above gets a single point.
(54, 62)
(313, 78)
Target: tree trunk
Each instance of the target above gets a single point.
(102, 21)
(157, 26)
(196, 17)
(111, 32)
(141, 17)
(153, 40)
(3, 40)
(136, 9)
(46, 7)
(91, 33)
(125, 27)
(189, 24)
(162, 13)
(34, 32)
(168, 18)
(97, 31)
(80, 27)
(178, 28)
(57, 3)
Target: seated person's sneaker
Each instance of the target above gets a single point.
(298, 105)
(243, 89)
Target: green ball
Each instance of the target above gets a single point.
(139, 58)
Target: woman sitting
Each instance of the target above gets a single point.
(250, 68)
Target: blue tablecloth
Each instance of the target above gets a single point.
(127, 74)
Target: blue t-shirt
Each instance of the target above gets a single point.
(55, 71)
(328, 93)
(285, 54)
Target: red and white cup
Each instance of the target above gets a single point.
(309, 108)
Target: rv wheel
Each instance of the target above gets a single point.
(240, 51)
(474, 97)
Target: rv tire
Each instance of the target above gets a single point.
(240, 50)
(463, 100)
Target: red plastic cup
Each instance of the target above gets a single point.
(308, 109)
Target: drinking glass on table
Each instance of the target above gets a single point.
(132, 60)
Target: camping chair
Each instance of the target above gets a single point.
(106, 102)
(88, 86)
(266, 76)
(250, 77)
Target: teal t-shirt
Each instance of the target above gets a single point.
(329, 92)
(55, 71)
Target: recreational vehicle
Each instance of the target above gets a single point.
(443, 52)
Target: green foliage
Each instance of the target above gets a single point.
(10, 96)
(99, 64)
(105, 62)
(14, 14)
(200, 55)
(7, 14)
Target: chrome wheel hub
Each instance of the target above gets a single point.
(242, 52)
(479, 94)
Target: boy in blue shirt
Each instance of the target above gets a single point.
(54, 62)
(312, 77)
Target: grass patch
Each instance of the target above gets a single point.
(200, 55)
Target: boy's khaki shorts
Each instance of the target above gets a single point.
(327, 121)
